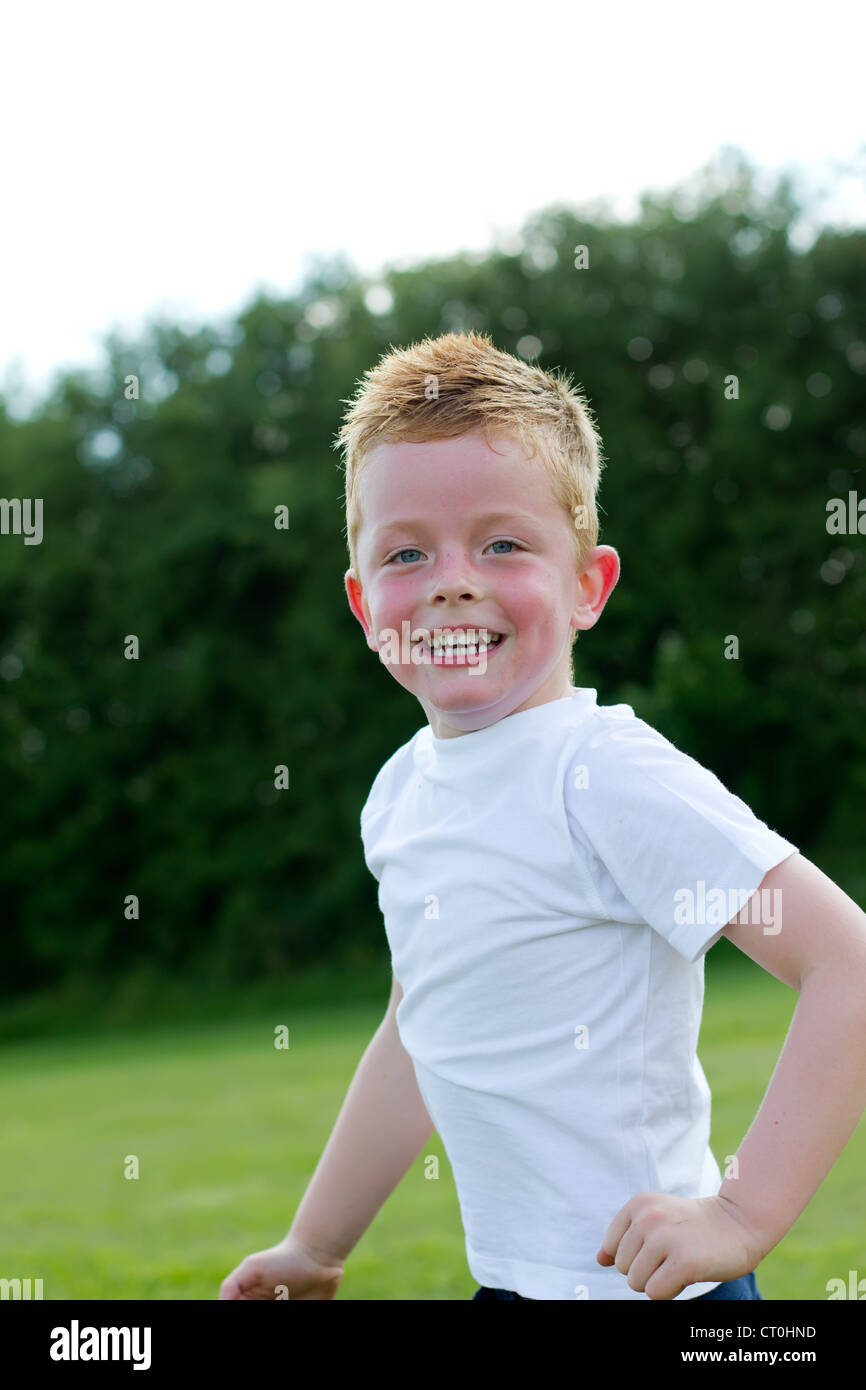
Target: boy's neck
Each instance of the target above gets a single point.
(453, 724)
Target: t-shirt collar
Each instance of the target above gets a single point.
(547, 715)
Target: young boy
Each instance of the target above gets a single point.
(552, 873)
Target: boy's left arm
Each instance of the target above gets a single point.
(813, 1103)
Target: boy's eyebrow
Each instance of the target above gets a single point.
(383, 530)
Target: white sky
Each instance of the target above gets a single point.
(175, 156)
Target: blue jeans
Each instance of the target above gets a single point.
(744, 1287)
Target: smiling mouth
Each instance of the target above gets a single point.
(460, 653)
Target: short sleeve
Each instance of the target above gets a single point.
(377, 811)
(670, 839)
(371, 824)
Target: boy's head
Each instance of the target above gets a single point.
(438, 438)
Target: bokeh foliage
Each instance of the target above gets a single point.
(156, 776)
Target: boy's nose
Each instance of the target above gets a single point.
(454, 585)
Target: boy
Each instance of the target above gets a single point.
(551, 874)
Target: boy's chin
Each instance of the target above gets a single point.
(462, 693)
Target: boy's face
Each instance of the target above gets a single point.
(432, 557)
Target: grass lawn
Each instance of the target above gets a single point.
(227, 1131)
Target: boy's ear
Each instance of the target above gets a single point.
(597, 583)
(355, 595)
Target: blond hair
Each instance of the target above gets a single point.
(460, 383)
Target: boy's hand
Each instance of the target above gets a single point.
(665, 1243)
(288, 1269)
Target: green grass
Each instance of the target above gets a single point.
(227, 1131)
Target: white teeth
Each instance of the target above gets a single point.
(458, 642)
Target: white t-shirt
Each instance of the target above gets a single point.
(533, 877)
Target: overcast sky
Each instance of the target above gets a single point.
(175, 157)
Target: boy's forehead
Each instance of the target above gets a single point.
(473, 445)
(463, 471)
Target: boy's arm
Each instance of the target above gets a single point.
(381, 1128)
(817, 1092)
(815, 1098)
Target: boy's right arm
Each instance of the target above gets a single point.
(380, 1130)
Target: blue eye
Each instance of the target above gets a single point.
(411, 549)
